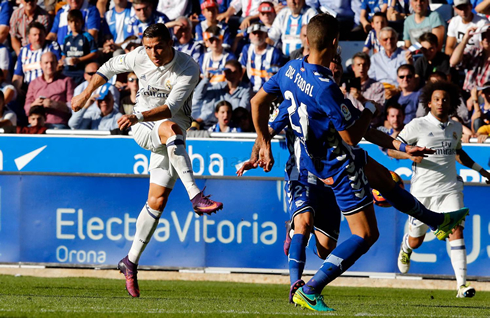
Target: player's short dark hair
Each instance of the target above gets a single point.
(322, 30)
(157, 30)
(429, 37)
(36, 25)
(364, 56)
(378, 14)
(75, 14)
(214, 30)
(395, 106)
(409, 67)
(234, 63)
(439, 74)
(37, 110)
(446, 86)
(222, 103)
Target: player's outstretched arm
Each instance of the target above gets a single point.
(260, 115)
(463, 158)
(252, 163)
(386, 141)
(79, 101)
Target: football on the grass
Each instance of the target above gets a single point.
(378, 198)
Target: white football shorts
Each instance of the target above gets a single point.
(441, 204)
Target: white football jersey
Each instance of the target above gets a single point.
(436, 174)
(171, 84)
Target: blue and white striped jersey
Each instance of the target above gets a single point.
(317, 111)
(287, 28)
(118, 22)
(208, 62)
(258, 65)
(194, 49)
(60, 25)
(171, 84)
(29, 62)
(136, 27)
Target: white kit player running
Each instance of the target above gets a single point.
(435, 182)
(162, 115)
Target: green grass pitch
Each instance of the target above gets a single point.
(90, 297)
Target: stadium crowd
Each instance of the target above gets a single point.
(52, 49)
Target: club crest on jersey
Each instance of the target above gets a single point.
(455, 135)
(168, 85)
(345, 111)
(302, 69)
(80, 42)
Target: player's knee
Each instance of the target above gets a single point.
(169, 128)
(303, 223)
(157, 203)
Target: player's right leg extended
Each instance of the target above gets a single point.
(146, 224)
(173, 138)
(442, 223)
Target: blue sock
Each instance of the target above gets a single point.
(297, 257)
(405, 202)
(336, 263)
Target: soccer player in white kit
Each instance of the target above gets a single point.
(435, 182)
(167, 79)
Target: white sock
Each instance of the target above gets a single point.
(145, 226)
(179, 158)
(458, 260)
(406, 244)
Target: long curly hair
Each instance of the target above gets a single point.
(446, 86)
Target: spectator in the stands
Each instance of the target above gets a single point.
(174, 8)
(79, 48)
(304, 50)
(378, 21)
(53, 91)
(475, 60)
(234, 90)
(223, 113)
(248, 8)
(28, 12)
(118, 19)
(287, 25)
(398, 10)
(481, 112)
(28, 65)
(267, 13)
(409, 96)
(368, 9)
(90, 71)
(60, 25)
(128, 102)
(37, 120)
(209, 9)
(464, 19)
(213, 61)
(145, 15)
(369, 89)
(385, 63)
(423, 20)
(243, 119)
(184, 40)
(105, 118)
(395, 117)
(260, 59)
(6, 8)
(431, 59)
(7, 117)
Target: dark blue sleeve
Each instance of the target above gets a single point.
(280, 119)
(92, 47)
(272, 85)
(340, 110)
(93, 19)
(199, 33)
(18, 66)
(227, 38)
(243, 56)
(55, 48)
(6, 10)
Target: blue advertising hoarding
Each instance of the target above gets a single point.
(73, 219)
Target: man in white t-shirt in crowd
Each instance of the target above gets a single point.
(287, 25)
(435, 181)
(464, 19)
(162, 115)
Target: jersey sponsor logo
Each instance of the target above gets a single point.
(345, 112)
